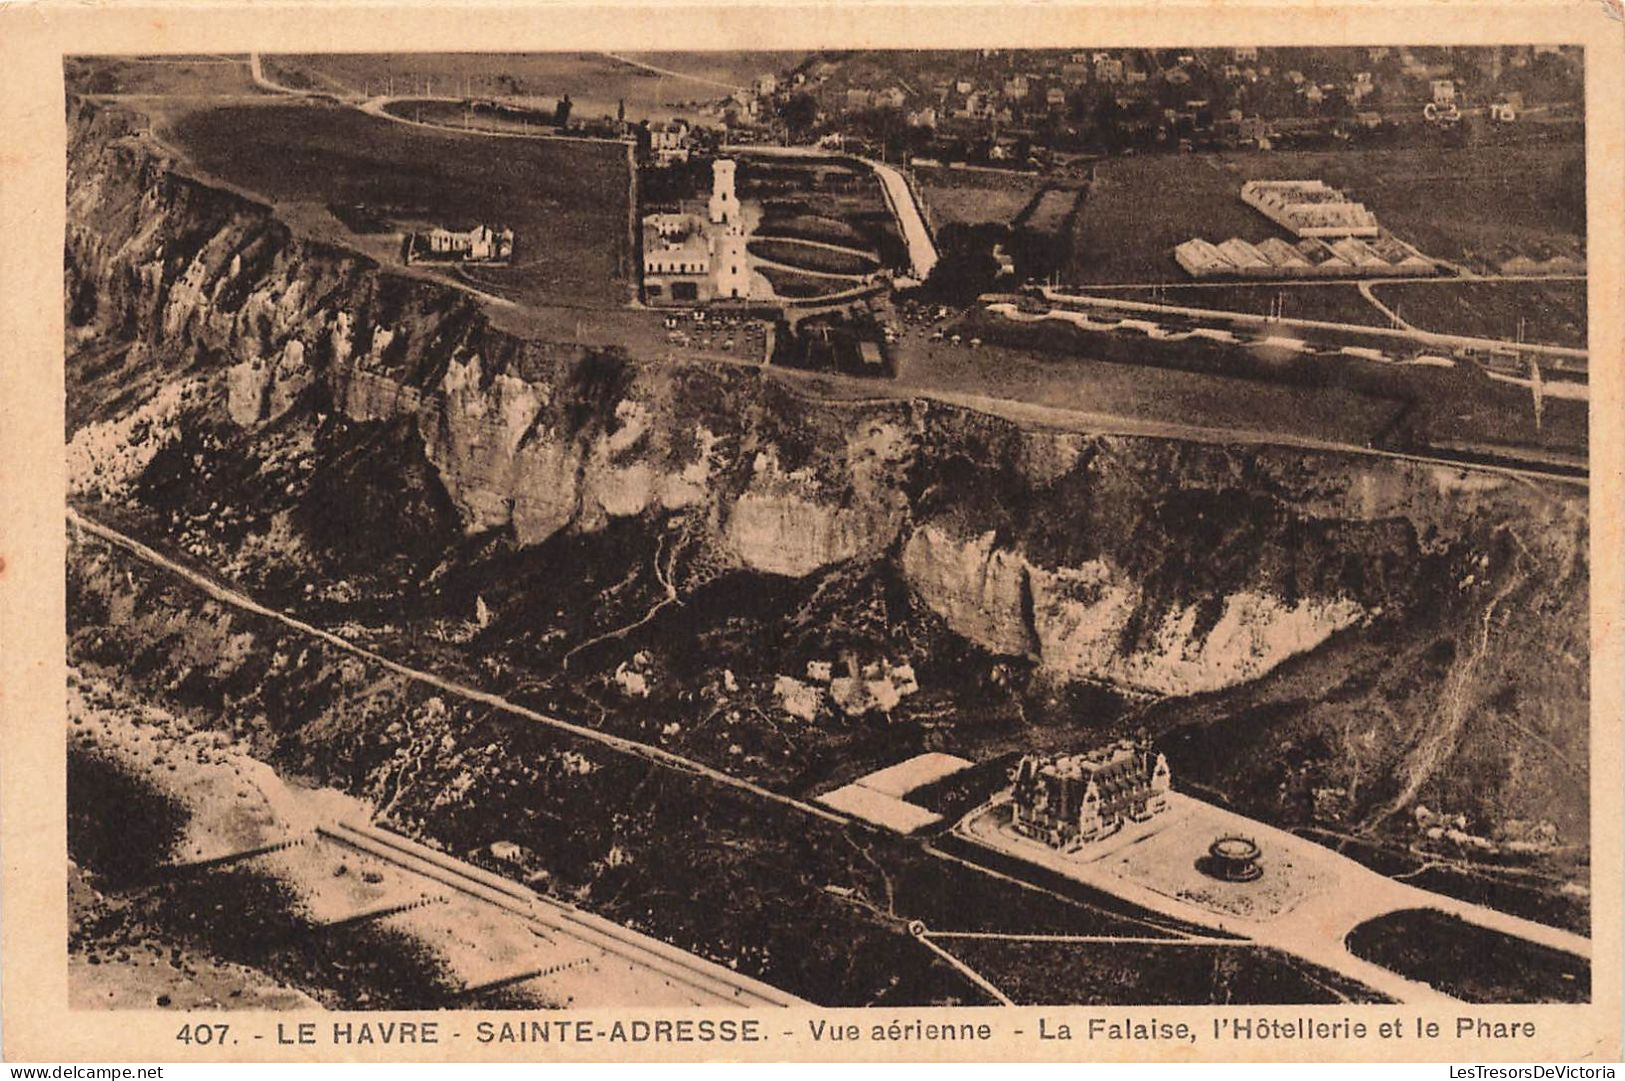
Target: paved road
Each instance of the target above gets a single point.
(379, 107)
(922, 249)
(1388, 313)
(261, 80)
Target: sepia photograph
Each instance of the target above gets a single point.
(1074, 526)
(730, 541)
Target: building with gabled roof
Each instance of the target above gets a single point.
(1243, 255)
(1281, 254)
(1069, 801)
(1309, 208)
(1201, 259)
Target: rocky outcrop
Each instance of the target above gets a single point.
(1075, 621)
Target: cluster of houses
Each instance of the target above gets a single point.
(1228, 96)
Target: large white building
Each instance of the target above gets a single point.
(480, 244)
(724, 199)
(693, 259)
(1309, 208)
(669, 142)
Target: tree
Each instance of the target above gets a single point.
(799, 112)
(561, 112)
(965, 268)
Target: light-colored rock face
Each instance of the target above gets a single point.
(260, 390)
(792, 536)
(104, 458)
(1072, 620)
(790, 523)
(539, 491)
(472, 435)
(973, 585)
(1255, 633)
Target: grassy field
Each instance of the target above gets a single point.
(795, 286)
(1465, 203)
(1551, 312)
(810, 257)
(596, 84)
(566, 202)
(827, 202)
(179, 77)
(1049, 214)
(1036, 973)
(807, 227)
(967, 197)
(1469, 962)
(453, 114)
(1314, 396)
(1142, 393)
(1332, 303)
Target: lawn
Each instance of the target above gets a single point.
(796, 286)
(454, 114)
(566, 202)
(1551, 312)
(1456, 203)
(812, 257)
(828, 201)
(974, 197)
(1049, 213)
(1316, 396)
(783, 221)
(1140, 393)
(1039, 973)
(1472, 963)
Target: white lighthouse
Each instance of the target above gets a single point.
(724, 202)
(728, 265)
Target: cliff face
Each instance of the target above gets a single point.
(540, 440)
(211, 346)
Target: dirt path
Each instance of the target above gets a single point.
(1387, 313)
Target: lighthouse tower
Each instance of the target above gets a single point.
(729, 267)
(724, 203)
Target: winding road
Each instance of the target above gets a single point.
(922, 249)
